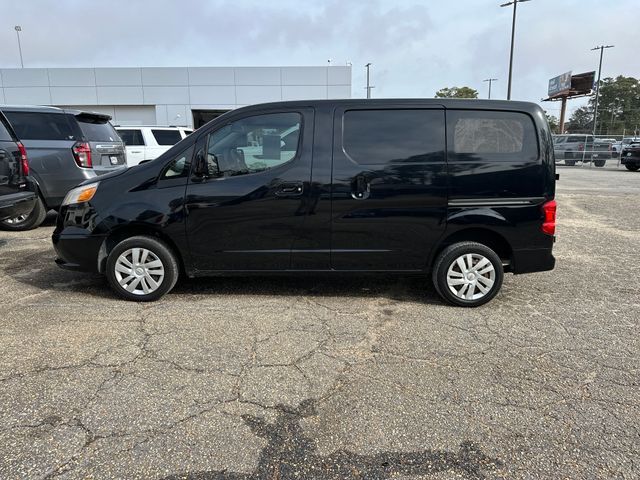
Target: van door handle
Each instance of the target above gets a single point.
(290, 189)
(360, 188)
(136, 151)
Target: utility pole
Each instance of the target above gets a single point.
(490, 80)
(513, 37)
(18, 29)
(595, 110)
(369, 86)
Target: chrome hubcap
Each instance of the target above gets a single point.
(14, 220)
(471, 276)
(139, 271)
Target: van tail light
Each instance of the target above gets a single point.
(82, 154)
(24, 163)
(549, 214)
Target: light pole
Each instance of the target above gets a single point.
(595, 109)
(490, 80)
(18, 29)
(369, 86)
(513, 36)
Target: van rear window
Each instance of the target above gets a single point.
(42, 126)
(491, 136)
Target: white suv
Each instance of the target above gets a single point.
(146, 143)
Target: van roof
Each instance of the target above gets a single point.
(449, 103)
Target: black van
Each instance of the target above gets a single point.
(462, 190)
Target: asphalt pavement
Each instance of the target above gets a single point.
(317, 378)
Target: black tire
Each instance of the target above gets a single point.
(599, 163)
(570, 163)
(633, 168)
(27, 222)
(448, 257)
(156, 248)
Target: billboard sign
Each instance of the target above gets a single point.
(583, 83)
(560, 84)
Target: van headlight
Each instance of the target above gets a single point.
(81, 194)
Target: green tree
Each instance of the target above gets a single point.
(553, 122)
(619, 105)
(581, 120)
(457, 92)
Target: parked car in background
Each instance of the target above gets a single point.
(617, 146)
(66, 147)
(146, 143)
(630, 156)
(17, 196)
(574, 148)
(333, 186)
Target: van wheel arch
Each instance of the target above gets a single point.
(490, 238)
(121, 234)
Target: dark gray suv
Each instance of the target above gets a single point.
(65, 148)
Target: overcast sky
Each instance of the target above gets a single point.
(416, 46)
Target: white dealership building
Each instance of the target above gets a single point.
(186, 96)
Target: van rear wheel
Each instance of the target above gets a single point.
(468, 274)
(142, 269)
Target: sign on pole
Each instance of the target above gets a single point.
(560, 84)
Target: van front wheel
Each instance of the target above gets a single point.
(142, 269)
(468, 274)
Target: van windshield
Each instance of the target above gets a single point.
(97, 130)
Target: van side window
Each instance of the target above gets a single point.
(254, 144)
(179, 167)
(378, 137)
(131, 137)
(491, 136)
(42, 126)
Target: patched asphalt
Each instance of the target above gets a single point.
(333, 378)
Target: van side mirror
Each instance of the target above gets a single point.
(200, 168)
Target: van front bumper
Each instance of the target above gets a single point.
(77, 251)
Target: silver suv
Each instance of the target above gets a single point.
(65, 148)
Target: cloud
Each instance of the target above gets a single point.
(416, 47)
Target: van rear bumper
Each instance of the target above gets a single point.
(534, 260)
